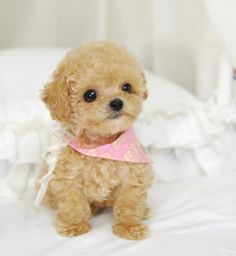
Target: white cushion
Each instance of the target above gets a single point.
(22, 115)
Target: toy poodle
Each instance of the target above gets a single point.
(96, 93)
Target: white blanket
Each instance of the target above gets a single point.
(196, 217)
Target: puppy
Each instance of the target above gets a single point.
(96, 93)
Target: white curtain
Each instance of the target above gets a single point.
(174, 38)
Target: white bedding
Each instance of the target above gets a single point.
(196, 217)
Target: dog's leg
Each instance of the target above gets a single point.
(73, 212)
(49, 200)
(129, 207)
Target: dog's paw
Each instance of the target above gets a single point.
(132, 232)
(72, 229)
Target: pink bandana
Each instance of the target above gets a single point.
(125, 148)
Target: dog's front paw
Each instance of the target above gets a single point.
(71, 230)
(132, 232)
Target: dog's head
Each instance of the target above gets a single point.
(99, 87)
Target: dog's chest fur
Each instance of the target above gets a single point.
(98, 178)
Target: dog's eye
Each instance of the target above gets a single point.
(127, 88)
(90, 95)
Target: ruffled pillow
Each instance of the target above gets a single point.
(185, 136)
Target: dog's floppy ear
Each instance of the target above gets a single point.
(56, 97)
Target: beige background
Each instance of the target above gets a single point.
(181, 40)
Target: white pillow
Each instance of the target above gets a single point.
(23, 117)
(184, 136)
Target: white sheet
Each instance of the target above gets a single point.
(196, 217)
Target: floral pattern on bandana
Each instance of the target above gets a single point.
(125, 148)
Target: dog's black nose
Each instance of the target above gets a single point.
(116, 104)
